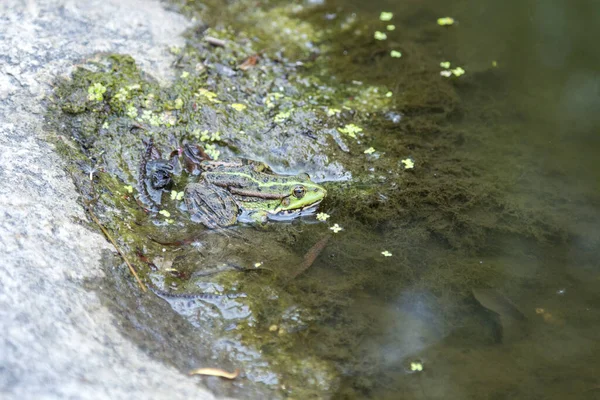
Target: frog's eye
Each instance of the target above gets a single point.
(299, 191)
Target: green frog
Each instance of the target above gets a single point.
(223, 193)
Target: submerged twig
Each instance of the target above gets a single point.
(310, 257)
(109, 237)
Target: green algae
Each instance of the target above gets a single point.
(297, 105)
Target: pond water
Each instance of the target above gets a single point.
(530, 123)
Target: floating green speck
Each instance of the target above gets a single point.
(395, 54)
(132, 111)
(215, 137)
(351, 130)
(322, 216)
(390, 27)
(211, 96)
(494, 64)
(370, 150)
(165, 213)
(204, 136)
(445, 64)
(386, 16)
(416, 366)
(446, 73)
(408, 163)
(336, 228)
(212, 151)
(386, 253)
(184, 74)
(389, 94)
(282, 116)
(178, 103)
(333, 111)
(129, 189)
(380, 35)
(96, 92)
(458, 71)
(238, 106)
(175, 195)
(445, 21)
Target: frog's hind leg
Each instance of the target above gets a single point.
(210, 205)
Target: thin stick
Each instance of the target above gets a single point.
(109, 237)
(214, 41)
(310, 257)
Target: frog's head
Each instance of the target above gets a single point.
(301, 197)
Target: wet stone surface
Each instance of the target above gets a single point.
(57, 339)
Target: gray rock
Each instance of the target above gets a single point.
(56, 339)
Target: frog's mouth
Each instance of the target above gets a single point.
(286, 215)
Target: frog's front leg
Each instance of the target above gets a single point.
(210, 205)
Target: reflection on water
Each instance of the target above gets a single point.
(531, 124)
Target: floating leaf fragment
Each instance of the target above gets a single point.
(216, 372)
(333, 111)
(458, 71)
(165, 213)
(238, 106)
(175, 195)
(323, 216)
(395, 54)
(389, 94)
(380, 35)
(445, 64)
(336, 228)
(96, 92)
(446, 73)
(212, 151)
(258, 264)
(249, 62)
(131, 111)
(370, 150)
(416, 366)
(178, 103)
(211, 96)
(408, 163)
(386, 253)
(390, 27)
(350, 130)
(445, 21)
(281, 116)
(386, 16)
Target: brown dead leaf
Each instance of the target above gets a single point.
(215, 372)
(249, 62)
